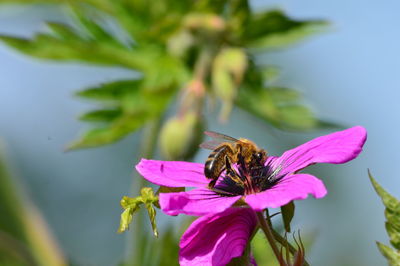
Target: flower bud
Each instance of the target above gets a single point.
(228, 69)
(181, 136)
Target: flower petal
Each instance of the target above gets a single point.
(173, 173)
(336, 148)
(198, 201)
(291, 187)
(215, 239)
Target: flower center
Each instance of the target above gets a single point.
(247, 178)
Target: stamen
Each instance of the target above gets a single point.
(250, 178)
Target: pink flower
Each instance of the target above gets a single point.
(216, 238)
(278, 183)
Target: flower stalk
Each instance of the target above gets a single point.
(270, 237)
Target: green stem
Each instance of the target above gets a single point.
(270, 237)
(148, 143)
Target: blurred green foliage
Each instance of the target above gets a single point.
(192, 54)
(187, 52)
(392, 224)
(24, 237)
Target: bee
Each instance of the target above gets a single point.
(226, 151)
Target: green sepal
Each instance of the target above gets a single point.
(132, 205)
(287, 215)
(149, 199)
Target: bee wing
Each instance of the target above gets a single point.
(218, 138)
(210, 145)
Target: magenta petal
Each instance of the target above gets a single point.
(338, 147)
(253, 260)
(198, 201)
(215, 239)
(291, 187)
(173, 173)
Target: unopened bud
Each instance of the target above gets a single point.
(181, 136)
(227, 73)
(207, 22)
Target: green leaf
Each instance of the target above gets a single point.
(103, 115)
(278, 107)
(284, 95)
(273, 29)
(86, 50)
(118, 129)
(82, 15)
(110, 91)
(297, 116)
(287, 215)
(137, 106)
(390, 254)
(392, 214)
(63, 31)
(390, 202)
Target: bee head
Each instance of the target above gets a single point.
(261, 155)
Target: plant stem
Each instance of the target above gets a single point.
(268, 233)
(148, 142)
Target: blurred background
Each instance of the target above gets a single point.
(348, 75)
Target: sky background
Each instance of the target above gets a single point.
(349, 75)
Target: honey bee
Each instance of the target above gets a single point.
(228, 150)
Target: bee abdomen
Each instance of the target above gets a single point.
(216, 161)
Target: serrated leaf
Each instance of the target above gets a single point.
(390, 254)
(296, 116)
(284, 95)
(89, 51)
(103, 115)
(115, 131)
(273, 29)
(287, 215)
(394, 233)
(388, 200)
(280, 114)
(392, 213)
(63, 31)
(110, 91)
(92, 28)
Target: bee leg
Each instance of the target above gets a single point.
(230, 172)
(212, 183)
